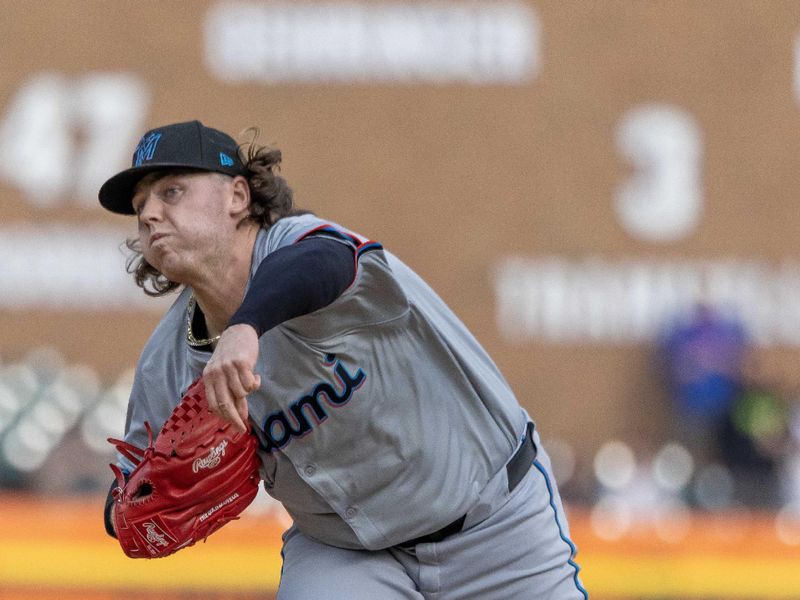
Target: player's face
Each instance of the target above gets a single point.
(184, 221)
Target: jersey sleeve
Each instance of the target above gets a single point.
(373, 297)
(292, 230)
(296, 280)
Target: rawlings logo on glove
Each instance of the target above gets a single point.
(199, 474)
(212, 460)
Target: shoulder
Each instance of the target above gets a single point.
(290, 230)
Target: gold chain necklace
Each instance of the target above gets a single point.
(190, 339)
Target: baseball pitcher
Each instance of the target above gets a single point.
(378, 421)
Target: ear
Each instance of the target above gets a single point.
(240, 198)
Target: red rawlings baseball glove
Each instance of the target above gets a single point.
(199, 474)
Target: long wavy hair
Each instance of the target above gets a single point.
(271, 199)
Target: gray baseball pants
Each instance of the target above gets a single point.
(513, 545)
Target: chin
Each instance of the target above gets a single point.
(172, 275)
(168, 268)
(177, 273)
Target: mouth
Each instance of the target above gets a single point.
(157, 236)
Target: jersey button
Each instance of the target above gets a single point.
(310, 470)
(350, 512)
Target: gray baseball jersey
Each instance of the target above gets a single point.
(380, 416)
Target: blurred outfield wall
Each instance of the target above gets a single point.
(568, 175)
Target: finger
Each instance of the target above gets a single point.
(238, 422)
(235, 378)
(249, 385)
(228, 410)
(241, 408)
(211, 396)
(239, 386)
(250, 381)
(218, 392)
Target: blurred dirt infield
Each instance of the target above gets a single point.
(57, 548)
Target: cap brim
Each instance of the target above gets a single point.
(116, 194)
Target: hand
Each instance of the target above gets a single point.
(229, 376)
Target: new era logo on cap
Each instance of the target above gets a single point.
(225, 160)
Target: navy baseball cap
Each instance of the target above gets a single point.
(189, 145)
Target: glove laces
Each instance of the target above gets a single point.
(133, 453)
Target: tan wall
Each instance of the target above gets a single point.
(455, 176)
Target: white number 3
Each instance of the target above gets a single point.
(663, 199)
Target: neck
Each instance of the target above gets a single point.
(220, 291)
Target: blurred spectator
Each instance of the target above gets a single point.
(753, 441)
(727, 408)
(704, 358)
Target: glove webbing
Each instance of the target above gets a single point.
(133, 453)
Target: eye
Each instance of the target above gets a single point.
(136, 204)
(172, 191)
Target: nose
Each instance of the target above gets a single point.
(150, 209)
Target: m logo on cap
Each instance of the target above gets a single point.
(146, 148)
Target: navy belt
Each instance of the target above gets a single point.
(516, 468)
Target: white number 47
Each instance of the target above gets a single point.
(62, 137)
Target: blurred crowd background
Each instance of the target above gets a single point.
(605, 192)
